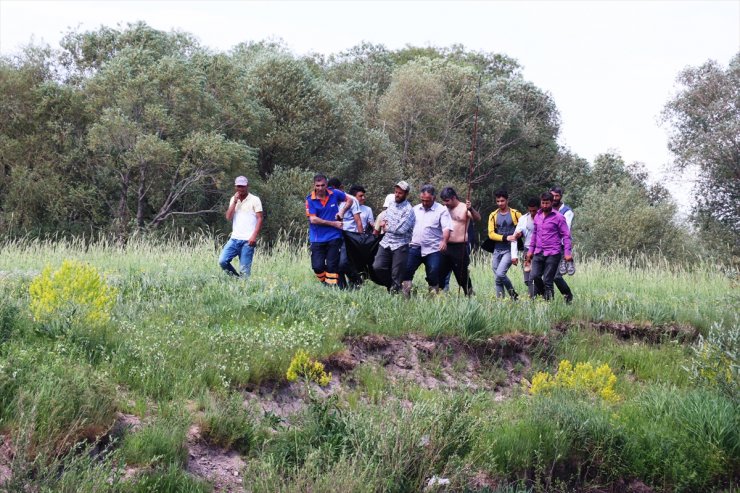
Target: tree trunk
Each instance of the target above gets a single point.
(122, 213)
(141, 201)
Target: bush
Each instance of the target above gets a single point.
(583, 378)
(76, 292)
(309, 370)
(716, 360)
(621, 221)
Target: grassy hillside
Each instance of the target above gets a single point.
(432, 392)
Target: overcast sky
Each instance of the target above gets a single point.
(610, 66)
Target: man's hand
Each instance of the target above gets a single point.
(252, 241)
(514, 261)
(511, 238)
(529, 256)
(569, 258)
(468, 204)
(337, 224)
(442, 246)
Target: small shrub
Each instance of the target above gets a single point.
(716, 360)
(76, 292)
(229, 425)
(311, 371)
(583, 378)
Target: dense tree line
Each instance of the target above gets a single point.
(138, 130)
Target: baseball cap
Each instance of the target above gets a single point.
(389, 199)
(241, 181)
(403, 186)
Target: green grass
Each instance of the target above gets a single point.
(181, 330)
(228, 424)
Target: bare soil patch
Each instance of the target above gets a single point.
(441, 363)
(6, 459)
(219, 466)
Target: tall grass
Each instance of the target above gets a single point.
(182, 329)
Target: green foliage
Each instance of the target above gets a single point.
(159, 443)
(704, 119)
(84, 470)
(58, 400)
(683, 440)
(619, 220)
(389, 448)
(285, 189)
(716, 360)
(227, 423)
(8, 321)
(642, 361)
(181, 330)
(169, 480)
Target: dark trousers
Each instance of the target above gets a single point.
(456, 259)
(543, 273)
(390, 266)
(432, 265)
(347, 270)
(325, 260)
(563, 287)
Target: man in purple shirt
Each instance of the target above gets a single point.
(549, 235)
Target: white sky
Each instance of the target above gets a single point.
(609, 65)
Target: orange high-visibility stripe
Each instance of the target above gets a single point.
(332, 278)
(321, 276)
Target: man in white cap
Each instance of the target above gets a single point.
(390, 261)
(245, 213)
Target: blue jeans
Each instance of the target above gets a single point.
(432, 265)
(237, 248)
(501, 263)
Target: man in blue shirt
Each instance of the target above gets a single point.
(324, 209)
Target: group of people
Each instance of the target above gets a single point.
(403, 237)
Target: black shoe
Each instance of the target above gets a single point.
(514, 295)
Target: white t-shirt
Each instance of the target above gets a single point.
(245, 217)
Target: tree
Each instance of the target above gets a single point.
(619, 220)
(705, 135)
(158, 139)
